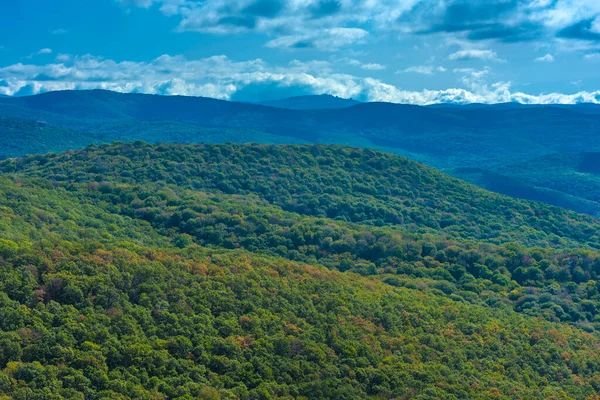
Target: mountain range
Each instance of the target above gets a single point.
(494, 146)
(321, 102)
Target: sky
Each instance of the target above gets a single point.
(402, 51)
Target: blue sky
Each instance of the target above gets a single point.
(407, 51)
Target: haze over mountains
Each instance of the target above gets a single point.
(480, 143)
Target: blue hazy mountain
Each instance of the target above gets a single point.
(318, 102)
(449, 137)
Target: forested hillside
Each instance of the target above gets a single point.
(252, 271)
(577, 174)
(38, 137)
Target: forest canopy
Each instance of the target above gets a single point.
(260, 272)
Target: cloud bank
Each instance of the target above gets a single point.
(222, 78)
(296, 23)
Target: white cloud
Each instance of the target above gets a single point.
(419, 69)
(45, 51)
(373, 67)
(548, 58)
(596, 25)
(422, 69)
(222, 78)
(475, 54)
(562, 13)
(369, 66)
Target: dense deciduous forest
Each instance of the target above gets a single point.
(260, 272)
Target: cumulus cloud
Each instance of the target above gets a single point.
(45, 51)
(222, 78)
(475, 54)
(548, 58)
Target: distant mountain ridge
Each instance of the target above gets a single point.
(577, 174)
(317, 102)
(581, 108)
(449, 137)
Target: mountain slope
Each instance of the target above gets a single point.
(193, 271)
(322, 102)
(570, 180)
(296, 202)
(39, 137)
(577, 174)
(150, 323)
(357, 185)
(574, 193)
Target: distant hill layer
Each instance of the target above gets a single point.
(577, 174)
(577, 193)
(570, 180)
(322, 102)
(449, 137)
(35, 137)
(444, 137)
